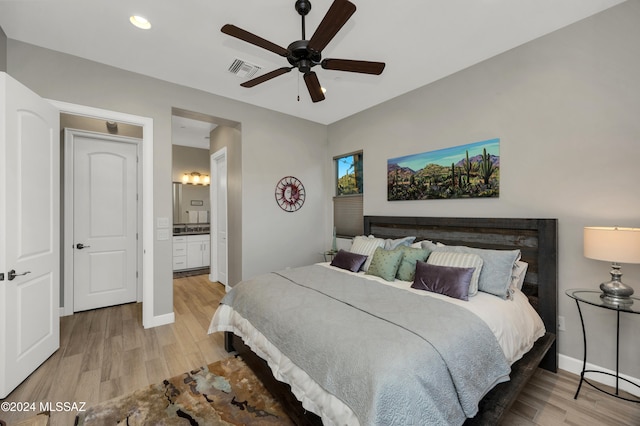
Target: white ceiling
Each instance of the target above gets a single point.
(188, 132)
(420, 40)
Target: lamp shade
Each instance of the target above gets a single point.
(612, 244)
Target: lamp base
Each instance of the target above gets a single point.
(615, 291)
(616, 301)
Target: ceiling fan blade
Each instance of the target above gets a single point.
(265, 77)
(337, 15)
(364, 67)
(244, 35)
(313, 84)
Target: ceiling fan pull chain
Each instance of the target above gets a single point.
(298, 87)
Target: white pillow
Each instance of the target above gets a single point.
(366, 246)
(518, 273)
(459, 260)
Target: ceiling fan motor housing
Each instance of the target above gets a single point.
(302, 57)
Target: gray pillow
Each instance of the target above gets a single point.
(349, 261)
(497, 266)
(390, 244)
(447, 280)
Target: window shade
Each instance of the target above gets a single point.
(347, 215)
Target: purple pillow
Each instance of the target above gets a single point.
(349, 261)
(447, 280)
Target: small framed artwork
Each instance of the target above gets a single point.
(197, 202)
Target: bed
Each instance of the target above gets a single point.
(365, 397)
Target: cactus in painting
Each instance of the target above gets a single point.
(486, 167)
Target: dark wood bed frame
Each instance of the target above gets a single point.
(536, 239)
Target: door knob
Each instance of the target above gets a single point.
(12, 274)
(80, 246)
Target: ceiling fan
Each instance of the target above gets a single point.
(306, 54)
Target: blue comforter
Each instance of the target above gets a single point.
(393, 357)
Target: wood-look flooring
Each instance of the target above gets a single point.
(106, 352)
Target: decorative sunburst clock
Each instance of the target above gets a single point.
(290, 194)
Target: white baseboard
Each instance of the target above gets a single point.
(574, 366)
(155, 321)
(159, 320)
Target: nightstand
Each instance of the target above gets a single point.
(592, 297)
(329, 254)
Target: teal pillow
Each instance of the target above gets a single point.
(407, 269)
(385, 263)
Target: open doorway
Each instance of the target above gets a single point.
(224, 135)
(191, 196)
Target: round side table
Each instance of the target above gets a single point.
(592, 297)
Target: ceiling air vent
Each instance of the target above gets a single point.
(243, 69)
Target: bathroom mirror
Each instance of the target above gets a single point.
(190, 203)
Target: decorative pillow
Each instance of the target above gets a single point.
(366, 245)
(430, 245)
(407, 269)
(518, 273)
(349, 261)
(390, 244)
(459, 260)
(447, 280)
(495, 276)
(385, 263)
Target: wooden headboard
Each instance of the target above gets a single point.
(536, 239)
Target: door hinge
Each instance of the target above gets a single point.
(2, 276)
(136, 236)
(136, 274)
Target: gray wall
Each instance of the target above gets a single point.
(70, 121)
(567, 110)
(269, 140)
(231, 138)
(188, 159)
(3, 51)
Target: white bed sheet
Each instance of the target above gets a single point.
(514, 322)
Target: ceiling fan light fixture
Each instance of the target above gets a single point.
(140, 22)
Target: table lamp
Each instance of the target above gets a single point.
(616, 245)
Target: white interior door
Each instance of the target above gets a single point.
(219, 243)
(29, 232)
(104, 243)
(221, 219)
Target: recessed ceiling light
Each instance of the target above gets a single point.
(140, 22)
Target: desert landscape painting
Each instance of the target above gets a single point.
(465, 171)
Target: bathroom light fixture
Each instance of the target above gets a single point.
(140, 22)
(196, 178)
